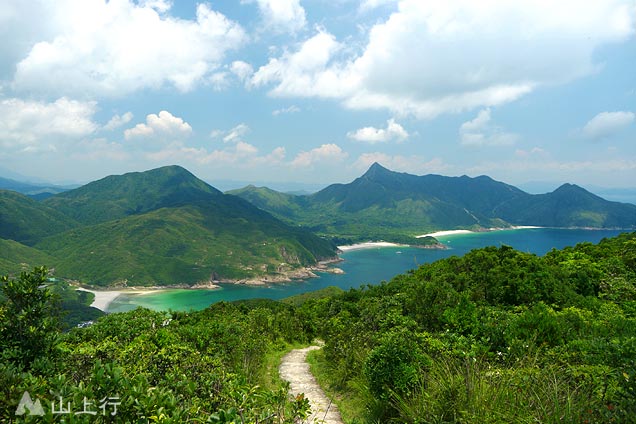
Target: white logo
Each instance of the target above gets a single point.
(27, 403)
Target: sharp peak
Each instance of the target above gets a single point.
(569, 186)
(376, 169)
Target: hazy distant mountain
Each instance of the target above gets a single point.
(36, 191)
(165, 226)
(383, 202)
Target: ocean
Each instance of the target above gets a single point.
(366, 266)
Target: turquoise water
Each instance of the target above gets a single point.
(367, 266)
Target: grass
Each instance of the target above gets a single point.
(352, 407)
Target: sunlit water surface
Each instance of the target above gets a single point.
(367, 266)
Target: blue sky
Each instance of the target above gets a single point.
(315, 91)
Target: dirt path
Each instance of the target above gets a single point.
(295, 369)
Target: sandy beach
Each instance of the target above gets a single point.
(104, 298)
(368, 245)
(453, 232)
(444, 233)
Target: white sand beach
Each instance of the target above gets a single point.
(103, 299)
(453, 232)
(368, 245)
(444, 233)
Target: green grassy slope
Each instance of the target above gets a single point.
(188, 244)
(118, 196)
(16, 257)
(165, 226)
(27, 221)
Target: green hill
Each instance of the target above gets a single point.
(27, 221)
(568, 205)
(165, 226)
(16, 257)
(118, 196)
(395, 206)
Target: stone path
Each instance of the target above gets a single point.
(295, 369)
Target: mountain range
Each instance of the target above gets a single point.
(159, 227)
(394, 206)
(165, 226)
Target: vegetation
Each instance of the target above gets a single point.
(495, 336)
(145, 366)
(160, 227)
(26, 220)
(386, 205)
(16, 257)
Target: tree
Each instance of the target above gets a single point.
(29, 326)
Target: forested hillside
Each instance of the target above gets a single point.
(155, 228)
(495, 336)
(383, 204)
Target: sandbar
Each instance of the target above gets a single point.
(103, 298)
(368, 245)
(453, 232)
(444, 233)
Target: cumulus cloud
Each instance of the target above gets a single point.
(34, 125)
(307, 72)
(326, 153)
(372, 135)
(118, 120)
(117, 47)
(480, 132)
(242, 70)
(281, 15)
(606, 124)
(161, 126)
(438, 57)
(241, 154)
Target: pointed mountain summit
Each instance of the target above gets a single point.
(383, 204)
(377, 172)
(118, 196)
(166, 226)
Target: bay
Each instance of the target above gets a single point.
(366, 266)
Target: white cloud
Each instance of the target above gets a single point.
(326, 153)
(286, 110)
(34, 126)
(606, 124)
(240, 154)
(242, 70)
(281, 15)
(233, 135)
(412, 164)
(161, 6)
(372, 135)
(438, 57)
(161, 126)
(480, 132)
(118, 120)
(117, 47)
(307, 72)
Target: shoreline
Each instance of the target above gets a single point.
(443, 233)
(103, 298)
(369, 245)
